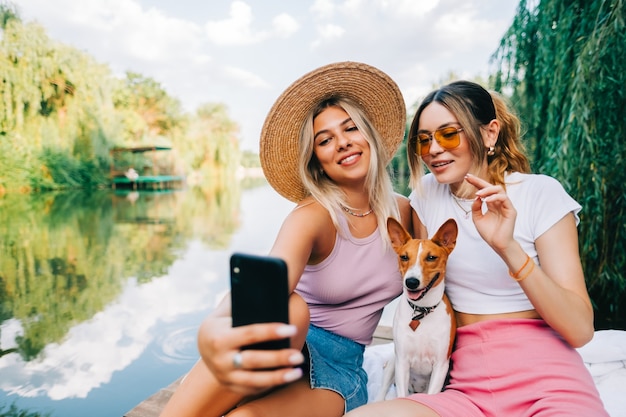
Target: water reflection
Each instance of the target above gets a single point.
(70, 254)
(93, 284)
(178, 346)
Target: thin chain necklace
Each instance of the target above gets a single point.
(347, 210)
(458, 203)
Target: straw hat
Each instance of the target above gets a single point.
(372, 89)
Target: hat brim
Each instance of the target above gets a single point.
(372, 89)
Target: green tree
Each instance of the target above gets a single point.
(150, 114)
(565, 63)
(8, 11)
(211, 147)
(61, 113)
(56, 113)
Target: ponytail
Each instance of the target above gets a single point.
(509, 151)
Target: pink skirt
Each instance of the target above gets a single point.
(515, 368)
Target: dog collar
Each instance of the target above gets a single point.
(419, 313)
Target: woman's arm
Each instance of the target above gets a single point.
(556, 289)
(307, 236)
(301, 237)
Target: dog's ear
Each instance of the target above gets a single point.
(397, 233)
(446, 235)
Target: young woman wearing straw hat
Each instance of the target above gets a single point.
(324, 145)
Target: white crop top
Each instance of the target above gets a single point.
(477, 279)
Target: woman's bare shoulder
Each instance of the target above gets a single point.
(309, 213)
(308, 229)
(403, 201)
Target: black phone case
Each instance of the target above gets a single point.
(259, 293)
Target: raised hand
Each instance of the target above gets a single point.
(495, 225)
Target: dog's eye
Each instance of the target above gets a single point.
(404, 258)
(431, 258)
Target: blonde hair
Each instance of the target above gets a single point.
(474, 107)
(377, 181)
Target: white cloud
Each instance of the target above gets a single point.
(355, 7)
(285, 25)
(244, 77)
(156, 37)
(236, 30)
(323, 8)
(406, 8)
(328, 33)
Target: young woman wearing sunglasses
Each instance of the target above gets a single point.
(515, 278)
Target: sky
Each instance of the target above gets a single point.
(244, 53)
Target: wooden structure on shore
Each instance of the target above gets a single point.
(152, 406)
(128, 178)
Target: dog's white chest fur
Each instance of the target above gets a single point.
(420, 354)
(423, 325)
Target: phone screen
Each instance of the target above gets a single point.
(259, 293)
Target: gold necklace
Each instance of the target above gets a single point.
(347, 210)
(458, 203)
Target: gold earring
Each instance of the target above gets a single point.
(491, 151)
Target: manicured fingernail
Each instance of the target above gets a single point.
(286, 330)
(292, 375)
(296, 358)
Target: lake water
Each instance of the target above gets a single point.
(101, 293)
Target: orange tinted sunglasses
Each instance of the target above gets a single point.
(447, 137)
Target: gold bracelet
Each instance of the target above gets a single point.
(515, 276)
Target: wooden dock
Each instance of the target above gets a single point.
(147, 176)
(148, 182)
(152, 406)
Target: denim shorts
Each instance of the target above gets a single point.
(336, 363)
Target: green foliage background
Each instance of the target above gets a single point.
(61, 113)
(564, 64)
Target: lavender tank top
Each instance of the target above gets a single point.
(348, 290)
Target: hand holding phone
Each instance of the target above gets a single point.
(259, 294)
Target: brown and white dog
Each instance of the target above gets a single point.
(423, 325)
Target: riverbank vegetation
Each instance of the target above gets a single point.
(564, 64)
(61, 113)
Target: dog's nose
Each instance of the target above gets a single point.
(412, 283)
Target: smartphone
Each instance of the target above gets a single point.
(259, 293)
